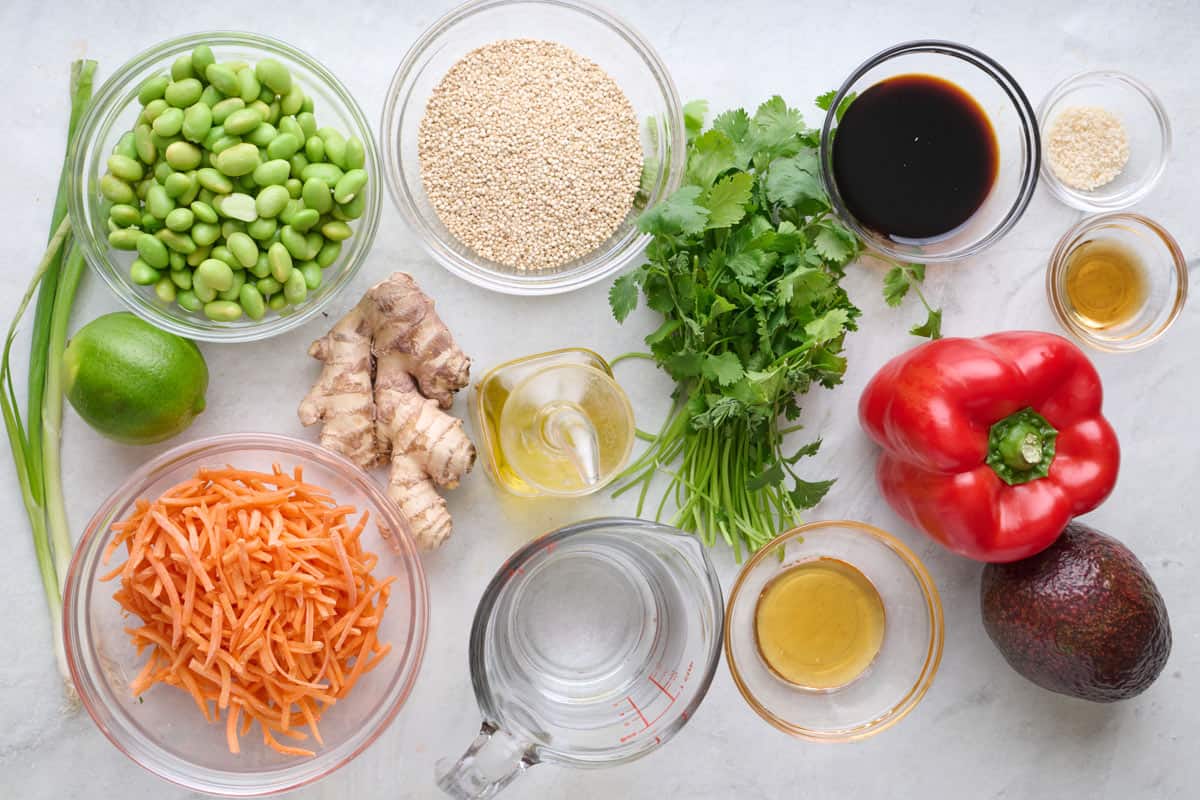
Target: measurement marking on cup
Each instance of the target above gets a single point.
(645, 721)
(662, 689)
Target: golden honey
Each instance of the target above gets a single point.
(1105, 283)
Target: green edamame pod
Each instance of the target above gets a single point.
(188, 301)
(243, 121)
(271, 200)
(125, 146)
(294, 242)
(239, 280)
(263, 135)
(238, 160)
(202, 56)
(126, 168)
(222, 311)
(314, 148)
(152, 110)
(183, 156)
(356, 154)
(204, 212)
(197, 122)
(185, 92)
(205, 233)
(252, 301)
(178, 242)
(125, 239)
(182, 67)
(283, 145)
(329, 253)
(268, 286)
(277, 302)
(279, 256)
(182, 278)
(152, 89)
(345, 189)
(165, 290)
(243, 248)
(213, 273)
(262, 228)
(153, 251)
(273, 75)
(158, 203)
(295, 187)
(168, 123)
(124, 215)
(176, 184)
(224, 78)
(317, 196)
(307, 123)
(294, 288)
(330, 173)
(180, 220)
(312, 275)
(304, 219)
(214, 181)
(273, 172)
(249, 85)
(336, 230)
(223, 109)
(116, 190)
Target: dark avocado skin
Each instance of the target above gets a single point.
(1082, 618)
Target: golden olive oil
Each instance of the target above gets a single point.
(1105, 283)
(819, 624)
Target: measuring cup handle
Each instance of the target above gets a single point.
(494, 760)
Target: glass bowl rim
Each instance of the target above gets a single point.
(1030, 130)
(1082, 200)
(913, 696)
(94, 537)
(1066, 245)
(487, 603)
(395, 105)
(96, 252)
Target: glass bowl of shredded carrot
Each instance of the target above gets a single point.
(245, 614)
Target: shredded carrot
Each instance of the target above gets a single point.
(256, 598)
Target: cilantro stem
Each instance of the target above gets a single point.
(626, 356)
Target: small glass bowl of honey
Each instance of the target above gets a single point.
(1117, 281)
(834, 631)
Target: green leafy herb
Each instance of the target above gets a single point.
(745, 266)
(899, 279)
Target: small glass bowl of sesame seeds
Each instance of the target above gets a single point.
(459, 185)
(1106, 140)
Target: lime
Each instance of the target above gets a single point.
(133, 382)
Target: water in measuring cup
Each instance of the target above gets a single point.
(598, 645)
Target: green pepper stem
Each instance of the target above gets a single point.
(1021, 447)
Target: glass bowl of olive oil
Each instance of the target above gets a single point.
(834, 631)
(1117, 281)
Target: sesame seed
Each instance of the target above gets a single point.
(1087, 147)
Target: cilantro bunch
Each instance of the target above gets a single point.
(745, 266)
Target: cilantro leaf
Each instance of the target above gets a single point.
(835, 243)
(684, 365)
(828, 326)
(734, 123)
(693, 117)
(771, 476)
(623, 296)
(725, 369)
(710, 155)
(931, 328)
(775, 123)
(806, 451)
(679, 213)
(825, 101)
(808, 493)
(895, 286)
(789, 183)
(726, 200)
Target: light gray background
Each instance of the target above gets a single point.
(982, 731)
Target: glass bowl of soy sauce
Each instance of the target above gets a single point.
(930, 151)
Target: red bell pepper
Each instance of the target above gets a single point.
(991, 445)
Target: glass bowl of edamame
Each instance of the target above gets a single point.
(225, 185)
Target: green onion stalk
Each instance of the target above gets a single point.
(35, 439)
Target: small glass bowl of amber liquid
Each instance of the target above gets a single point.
(1117, 281)
(834, 631)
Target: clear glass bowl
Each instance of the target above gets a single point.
(907, 661)
(1146, 125)
(1013, 121)
(593, 33)
(1166, 276)
(112, 112)
(166, 734)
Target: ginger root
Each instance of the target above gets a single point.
(391, 368)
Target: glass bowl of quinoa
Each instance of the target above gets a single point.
(522, 138)
(1105, 139)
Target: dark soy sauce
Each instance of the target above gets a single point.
(914, 157)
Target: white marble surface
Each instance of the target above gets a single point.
(982, 731)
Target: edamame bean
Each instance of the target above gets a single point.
(239, 280)
(213, 273)
(238, 160)
(277, 302)
(356, 154)
(252, 302)
(165, 290)
(317, 196)
(142, 141)
(187, 300)
(266, 95)
(182, 278)
(237, 206)
(262, 108)
(246, 182)
(263, 135)
(153, 109)
(195, 258)
(180, 220)
(294, 186)
(231, 226)
(182, 67)
(352, 210)
(345, 190)
(335, 146)
(158, 203)
(152, 89)
(124, 215)
(224, 78)
(294, 241)
(204, 212)
(223, 109)
(271, 201)
(290, 210)
(262, 228)
(248, 85)
(150, 223)
(125, 168)
(330, 173)
(298, 162)
(175, 261)
(268, 286)
(243, 121)
(193, 189)
(211, 96)
(307, 123)
(153, 251)
(221, 145)
(116, 190)
(214, 181)
(294, 288)
(202, 56)
(221, 253)
(336, 230)
(168, 123)
(289, 126)
(243, 248)
(292, 102)
(205, 233)
(222, 311)
(314, 148)
(273, 75)
(307, 105)
(262, 267)
(314, 242)
(162, 170)
(185, 155)
(197, 122)
(272, 172)
(329, 253)
(125, 239)
(161, 142)
(185, 92)
(125, 146)
(304, 219)
(279, 256)
(178, 242)
(312, 275)
(177, 183)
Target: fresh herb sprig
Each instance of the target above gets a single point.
(745, 266)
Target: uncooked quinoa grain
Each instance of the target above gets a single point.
(1087, 147)
(529, 153)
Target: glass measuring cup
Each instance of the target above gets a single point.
(592, 646)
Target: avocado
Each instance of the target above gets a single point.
(1081, 618)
